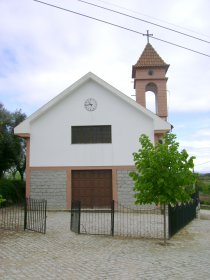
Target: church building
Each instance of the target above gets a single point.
(80, 144)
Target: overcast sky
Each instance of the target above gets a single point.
(43, 50)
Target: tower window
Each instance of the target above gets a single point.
(151, 72)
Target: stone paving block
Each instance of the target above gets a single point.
(61, 254)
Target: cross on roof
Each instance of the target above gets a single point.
(148, 35)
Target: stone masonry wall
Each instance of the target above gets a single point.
(49, 185)
(125, 188)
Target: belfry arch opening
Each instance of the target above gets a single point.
(151, 97)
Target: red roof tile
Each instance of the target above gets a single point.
(150, 58)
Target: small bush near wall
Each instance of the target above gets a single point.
(12, 190)
(2, 199)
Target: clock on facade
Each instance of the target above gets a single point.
(90, 104)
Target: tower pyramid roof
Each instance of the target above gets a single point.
(149, 58)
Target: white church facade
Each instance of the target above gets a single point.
(80, 144)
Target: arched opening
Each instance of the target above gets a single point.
(150, 101)
(151, 97)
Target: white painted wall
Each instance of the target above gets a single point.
(51, 132)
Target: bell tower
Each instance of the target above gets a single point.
(149, 75)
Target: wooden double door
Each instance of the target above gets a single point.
(92, 187)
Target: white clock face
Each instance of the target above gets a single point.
(90, 104)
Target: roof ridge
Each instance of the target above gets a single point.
(24, 127)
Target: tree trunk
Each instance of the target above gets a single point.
(21, 175)
(164, 221)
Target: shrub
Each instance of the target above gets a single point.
(2, 199)
(205, 202)
(12, 190)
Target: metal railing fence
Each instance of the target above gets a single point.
(28, 214)
(118, 220)
(180, 215)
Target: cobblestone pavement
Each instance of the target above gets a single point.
(61, 254)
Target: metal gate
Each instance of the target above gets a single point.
(35, 215)
(119, 220)
(99, 221)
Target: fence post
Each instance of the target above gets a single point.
(71, 220)
(112, 218)
(45, 215)
(169, 220)
(75, 216)
(79, 208)
(25, 213)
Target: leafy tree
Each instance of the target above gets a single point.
(18, 144)
(12, 148)
(5, 140)
(163, 175)
(2, 199)
(12, 190)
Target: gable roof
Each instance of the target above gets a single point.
(149, 58)
(24, 127)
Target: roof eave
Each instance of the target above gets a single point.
(134, 67)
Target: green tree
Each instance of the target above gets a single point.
(5, 141)
(2, 199)
(18, 145)
(12, 148)
(163, 175)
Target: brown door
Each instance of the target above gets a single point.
(92, 187)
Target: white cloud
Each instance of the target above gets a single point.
(201, 150)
